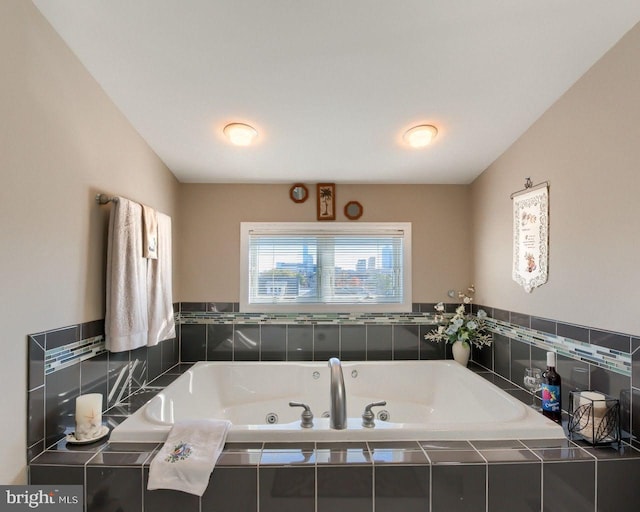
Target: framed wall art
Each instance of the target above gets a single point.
(326, 201)
(531, 236)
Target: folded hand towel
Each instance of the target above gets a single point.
(126, 326)
(159, 292)
(149, 233)
(186, 460)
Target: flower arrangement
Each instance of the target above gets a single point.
(463, 327)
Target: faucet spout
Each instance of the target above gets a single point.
(338, 409)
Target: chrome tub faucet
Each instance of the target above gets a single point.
(338, 409)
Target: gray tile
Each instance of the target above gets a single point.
(345, 488)
(430, 350)
(483, 356)
(611, 340)
(458, 488)
(618, 489)
(246, 342)
(287, 489)
(439, 457)
(163, 380)
(299, 342)
(445, 445)
(243, 458)
(62, 458)
(118, 377)
(113, 489)
(273, 342)
(501, 314)
(221, 307)
(520, 319)
(93, 373)
(110, 458)
(543, 325)
(92, 329)
(193, 306)
(520, 359)
(154, 361)
(219, 343)
(514, 487)
(287, 458)
(402, 488)
(563, 454)
(616, 386)
(61, 337)
(635, 414)
(497, 445)
(515, 456)
(170, 353)
(502, 355)
(568, 487)
(383, 456)
(138, 359)
(326, 342)
(231, 489)
(379, 343)
(337, 455)
(55, 475)
(353, 342)
(62, 388)
(35, 423)
(574, 332)
(36, 360)
(635, 377)
(405, 342)
(193, 342)
(165, 499)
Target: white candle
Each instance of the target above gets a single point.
(88, 416)
(598, 408)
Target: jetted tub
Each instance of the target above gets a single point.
(426, 400)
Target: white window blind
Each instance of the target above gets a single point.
(341, 267)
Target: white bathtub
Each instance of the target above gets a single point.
(426, 400)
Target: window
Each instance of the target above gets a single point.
(338, 267)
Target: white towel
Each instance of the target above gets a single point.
(126, 326)
(188, 457)
(149, 233)
(159, 290)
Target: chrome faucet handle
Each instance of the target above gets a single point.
(368, 416)
(306, 418)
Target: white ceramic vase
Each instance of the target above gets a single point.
(461, 352)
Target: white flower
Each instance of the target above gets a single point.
(471, 325)
(439, 307)
(466, 299)
(460, 310)
(482, 314)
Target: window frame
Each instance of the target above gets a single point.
(338, 228)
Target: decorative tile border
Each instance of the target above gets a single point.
(205, 317)
(62, 357)
(616, 361)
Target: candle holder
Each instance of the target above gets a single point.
(594, 417)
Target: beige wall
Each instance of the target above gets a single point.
(209, 231)
(588, 146)
(61, 141)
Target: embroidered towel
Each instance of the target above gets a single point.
(126, 324)
(149, 233)
(186, 460)
(159, 292)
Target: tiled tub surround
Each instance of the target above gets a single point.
(474, 476)
(67, 362)
(568, 477)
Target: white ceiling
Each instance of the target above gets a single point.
(332, 85)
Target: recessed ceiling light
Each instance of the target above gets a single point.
(420, 136)
(240, 134)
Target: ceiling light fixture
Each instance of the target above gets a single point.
(240, 134)
(420, 136)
